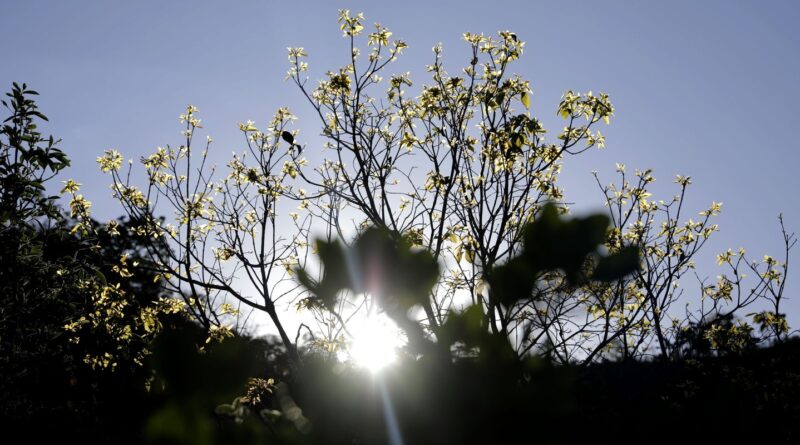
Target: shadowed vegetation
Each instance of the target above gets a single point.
(433, 209)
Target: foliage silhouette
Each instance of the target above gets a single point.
(458, 171)
(49, 272)
(519, 321)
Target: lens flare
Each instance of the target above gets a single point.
(374, 343)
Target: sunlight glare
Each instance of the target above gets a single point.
(375, 340)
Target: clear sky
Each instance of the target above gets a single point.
(701, 88)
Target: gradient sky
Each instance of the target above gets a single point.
(701, 88)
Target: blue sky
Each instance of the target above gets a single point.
(704, 89)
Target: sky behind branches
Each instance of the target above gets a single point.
(704, 89)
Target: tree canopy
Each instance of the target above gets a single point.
(434, 208)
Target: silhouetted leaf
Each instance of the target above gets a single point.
(616, 266)
(512, 281)
(335, 274)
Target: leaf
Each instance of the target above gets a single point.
(469, 255)
(513, 281)
(100, 276)
(616, 266)
(270, 414)
(526, 100)
(518, 141)
(381, 263)
(469, 327)
(288, 137)
(550, 243)
(225, 409)
(335, 277)
(390, 268)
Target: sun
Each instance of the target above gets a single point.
(375, 339)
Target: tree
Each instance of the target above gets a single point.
(460, 235)
(461, 171)
(33, 306)
(68, 297)
(212, 241)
